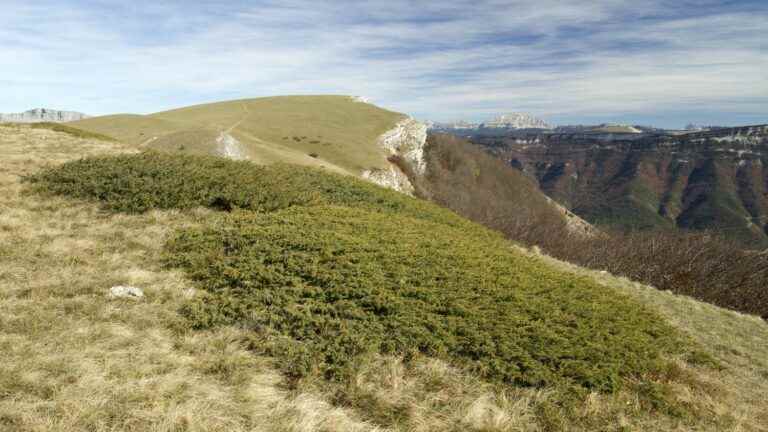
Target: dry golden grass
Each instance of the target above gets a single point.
(73, 359)
(342, 134)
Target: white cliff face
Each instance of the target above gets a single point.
(42, 115)
(517, 121)
(406, 140)
(391, 178)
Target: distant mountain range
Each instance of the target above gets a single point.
(631, 177)
(42, 115)
(502, 122)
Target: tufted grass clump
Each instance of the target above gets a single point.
(328, 271)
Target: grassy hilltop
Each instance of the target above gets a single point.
(335, 132)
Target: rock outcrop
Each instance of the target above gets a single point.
(121, 291)
(516, 121)
(229, 147)
(510, 121)
(405, 141)
(38, 115)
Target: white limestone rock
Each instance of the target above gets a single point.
(391, 178)
(517, 121)
(229, 147)
(121, 291)
(38, 115)
(406, 140)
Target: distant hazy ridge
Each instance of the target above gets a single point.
(42, 115)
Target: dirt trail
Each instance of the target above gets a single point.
(147, 142)
(239, 122)
(229, 146)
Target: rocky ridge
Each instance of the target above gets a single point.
(715, 179)
(38, 115)
(516, 121)
(509, 121)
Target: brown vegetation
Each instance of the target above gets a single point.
(701, 265)
(482, 188)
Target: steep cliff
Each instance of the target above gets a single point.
(494, 126)
(405, 144)
(713, 179)
(516, 121)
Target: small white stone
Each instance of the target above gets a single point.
(125, 292)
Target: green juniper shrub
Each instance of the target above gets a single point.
(327, 270)
(336, 283)
(153, 180)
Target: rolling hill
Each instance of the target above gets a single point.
(339, 133)
(336, 132)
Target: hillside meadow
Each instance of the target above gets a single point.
(334, 132)
(324, 304)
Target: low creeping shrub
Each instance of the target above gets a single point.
(153, 180)
(327, 269)
(328, 285)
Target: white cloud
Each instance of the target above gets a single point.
(441, 60)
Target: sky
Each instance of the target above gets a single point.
(646, 62)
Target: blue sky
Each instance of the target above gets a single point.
(656, 62)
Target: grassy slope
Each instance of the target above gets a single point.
(73, 360)
(76, 360)
(340, 131)
(736, 340)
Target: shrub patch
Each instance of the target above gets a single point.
(153, 180)
(327, 269)
(328, 285)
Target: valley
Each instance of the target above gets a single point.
(701, 180)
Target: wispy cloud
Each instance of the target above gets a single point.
(607, 60)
